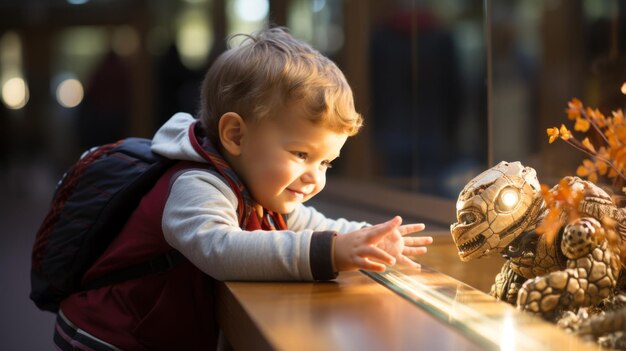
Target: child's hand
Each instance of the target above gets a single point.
(370, 248)
(401, 247)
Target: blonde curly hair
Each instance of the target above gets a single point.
(271, 69)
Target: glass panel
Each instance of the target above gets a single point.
(545, 53)
(427, 119)
(493, 324)
(417, 70)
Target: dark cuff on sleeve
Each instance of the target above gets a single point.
(321, 255)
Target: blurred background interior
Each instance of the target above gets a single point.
(447, 88)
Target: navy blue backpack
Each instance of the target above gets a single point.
(93, 200)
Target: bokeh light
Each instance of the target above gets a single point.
(318, 5)
(194, 39)
(15, 93)
(251, 10)
(70, 93)
(624, 88)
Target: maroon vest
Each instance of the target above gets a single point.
(169, 311)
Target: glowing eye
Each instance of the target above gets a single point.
(508, 198)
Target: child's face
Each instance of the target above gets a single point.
(284, 160)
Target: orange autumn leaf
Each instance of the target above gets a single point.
(619, 130)
(603, 152)
(563, 191)
(574, 108)
(593, 177)
(620, 156)
(607, 153)
(612, 138)
(588, 169)
(602, 167)
(553, 133)
(575, 104)
(597, 117)
(582, 125)
(581, 171)
(572, 114)
(564, 132)
(586, 143)
(560, 201)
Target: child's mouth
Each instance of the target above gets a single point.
(297, 194)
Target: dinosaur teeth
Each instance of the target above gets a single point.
(473, 243)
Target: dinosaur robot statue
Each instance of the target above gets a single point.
(556, 277)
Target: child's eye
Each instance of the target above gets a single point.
(327, 164)
(301, 155)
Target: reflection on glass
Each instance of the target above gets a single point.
(493, 324)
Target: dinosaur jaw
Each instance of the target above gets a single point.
(471, 239)
(469, 248)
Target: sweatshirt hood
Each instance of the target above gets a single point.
(172, 140)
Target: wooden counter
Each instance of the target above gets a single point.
(352, 313)
(357, 313)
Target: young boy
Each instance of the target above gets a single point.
(274, 114)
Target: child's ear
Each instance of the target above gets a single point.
(231, 128)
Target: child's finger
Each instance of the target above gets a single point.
(369, 265)
(411, 228)
(373, 252)
(413, 251)
(418, 240)
(403, 260)
(376, 232)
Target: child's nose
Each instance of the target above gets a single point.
(311, 175)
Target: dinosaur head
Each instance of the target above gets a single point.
(494, 208)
